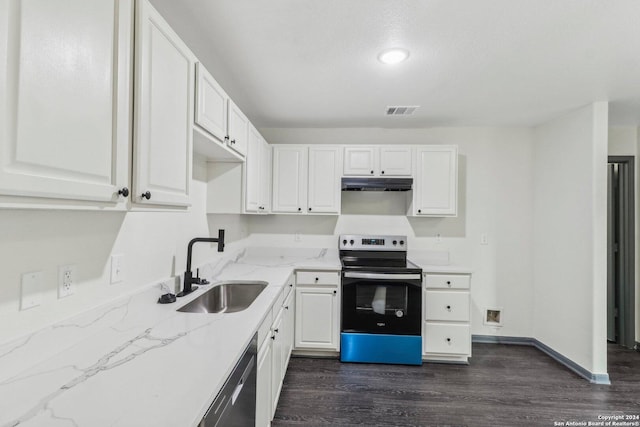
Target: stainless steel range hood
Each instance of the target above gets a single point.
(376, 184)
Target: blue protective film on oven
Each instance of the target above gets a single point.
(380, 348)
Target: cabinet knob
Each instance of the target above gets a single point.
(286, 307)
(299, 209)
(335, 292)
(317, 279)
(449, 283)
(448, 308)
(371, 172)
(273, 337)
(146, 195)
(382, 173)
(309, 209)
(419, 210)
(291, 285)
(233, 141)
(124, 192)
(226, 138)
(276, 330)
(448, 340)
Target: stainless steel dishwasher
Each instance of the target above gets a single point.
(235, 405)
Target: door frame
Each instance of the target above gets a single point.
(626, 290)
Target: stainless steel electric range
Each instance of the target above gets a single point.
(381, 301)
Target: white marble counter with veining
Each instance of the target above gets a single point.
(134, 362)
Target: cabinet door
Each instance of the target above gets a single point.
(289, 179)
(164, 112)
(65, 78)
(238, 129)
(324, 180)
(253, 165)
(361, 160)
(265, 178)
(395, 161)
(276, 362)
(317, 318)
(288, 326)
(436, 187)
(211, 104)
(263, 384)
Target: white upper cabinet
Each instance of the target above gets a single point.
(395, 160)
(289, 179)
(238, 129)
(387, 160)
(164, 104)
(264, 204)
(221, 131)
(65, 79)
(361, 160)
(257, 176)
(306, 179)
(211, 104)
(324, 179)
(436, 186)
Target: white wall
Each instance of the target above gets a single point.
(495, 197)
(570, 156)
(625, 141)
(154, 245)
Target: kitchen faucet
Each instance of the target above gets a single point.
(189, 280)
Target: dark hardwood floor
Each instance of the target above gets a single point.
(504, 385)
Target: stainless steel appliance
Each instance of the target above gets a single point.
(381, 301)
(235, 405)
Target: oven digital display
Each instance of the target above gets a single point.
(376, 242)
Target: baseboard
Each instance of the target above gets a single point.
(584, 373)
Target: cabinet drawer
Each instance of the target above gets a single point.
(318, 278)
(446, 339)
(447, 281)
(447, 306)
(265, 328)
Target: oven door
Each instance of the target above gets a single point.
(381, 303)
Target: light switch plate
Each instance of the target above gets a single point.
(31, 290)
(117, 268)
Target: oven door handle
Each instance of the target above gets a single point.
(382, 276)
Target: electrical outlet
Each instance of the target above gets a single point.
(31, 290)
(66, 280)
(117, 268)
(484, 239)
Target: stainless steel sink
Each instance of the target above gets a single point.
(226, 297)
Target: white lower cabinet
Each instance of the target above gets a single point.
(275, 338)
(446, 328)
(317, 317)
(263, 384)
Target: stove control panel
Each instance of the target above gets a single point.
(358, 242)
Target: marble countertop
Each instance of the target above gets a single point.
(134, 362)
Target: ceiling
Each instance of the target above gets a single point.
(303, 63)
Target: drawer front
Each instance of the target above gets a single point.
(265, 328)
(447, 281)
(446, 339)
(447, 306)
(318, 278)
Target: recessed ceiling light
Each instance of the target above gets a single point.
(393, 56)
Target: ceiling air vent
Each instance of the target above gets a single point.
(401, 110)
